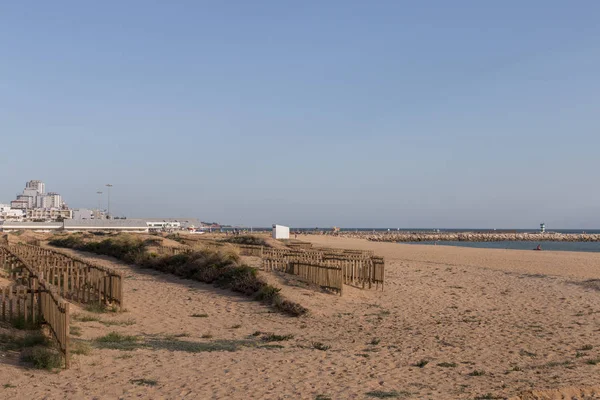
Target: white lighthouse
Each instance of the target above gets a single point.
(542, 227)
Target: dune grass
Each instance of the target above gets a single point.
(222, 268)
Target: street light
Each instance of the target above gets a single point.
(99, 203)
(108, 185)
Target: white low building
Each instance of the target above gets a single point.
(10, 226)
(106, 225)
(11, 214)
(169, 226)
(281, 232)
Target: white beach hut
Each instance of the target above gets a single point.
(281, 232)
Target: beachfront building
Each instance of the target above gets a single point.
(7, 213)
(48, 214)
(163, 226)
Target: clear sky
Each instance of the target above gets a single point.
(313, 113)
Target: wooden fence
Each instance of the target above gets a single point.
(73, 277)
(34, 301)
(172, 251)
(358, 269)
(326, 276)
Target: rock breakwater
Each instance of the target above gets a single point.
(473, 237)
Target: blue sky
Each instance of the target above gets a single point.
(316, 113)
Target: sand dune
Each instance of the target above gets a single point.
(452, 323)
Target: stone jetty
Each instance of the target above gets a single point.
(472, 236)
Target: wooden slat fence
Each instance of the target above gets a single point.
(358, 269)
(326, 276)
(34, 301)
(173, 251)
(74, 278)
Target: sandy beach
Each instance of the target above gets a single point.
(452, 323)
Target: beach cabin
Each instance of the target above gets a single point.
(281, 232)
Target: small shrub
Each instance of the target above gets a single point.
(593, 361)
(207, 336)
(199, 315)
(267, 293)
(127, 322)
(42, 358)
(74, 330)
(81, 348)
(21, 324)
(422, 363)
(8, 386)
(586, 347)
(380, 394)
(247, 240)
(144, 382)
(527, 353)
(477, 373)
(237, 326)
(374, 342)
(117, 341)
(85, 318)
(320, 346)
(257, 333)
(447, 365)
(271, 337)
(322, 397)
(289, 307)
(34, 339)
(99, 308)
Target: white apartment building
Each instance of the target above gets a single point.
(19, 204)
(48, 214)
(10, 214)
(83, 213)
(38, 186)
(29, 199)
(43, 202)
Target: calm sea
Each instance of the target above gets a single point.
(551, 246)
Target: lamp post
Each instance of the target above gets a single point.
(99, 203)
(108, 185)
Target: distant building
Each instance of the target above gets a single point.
(9, 226)
(48, 214)
(55, 200)
(19, 204)
(29, 199)
(38, 186)
(163, 226)
(83, 213)
(7, 213)
(106, 225)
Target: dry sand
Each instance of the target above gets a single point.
(518, 317)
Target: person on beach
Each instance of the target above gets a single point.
(539, 247)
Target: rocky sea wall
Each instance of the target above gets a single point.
(472, 237)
